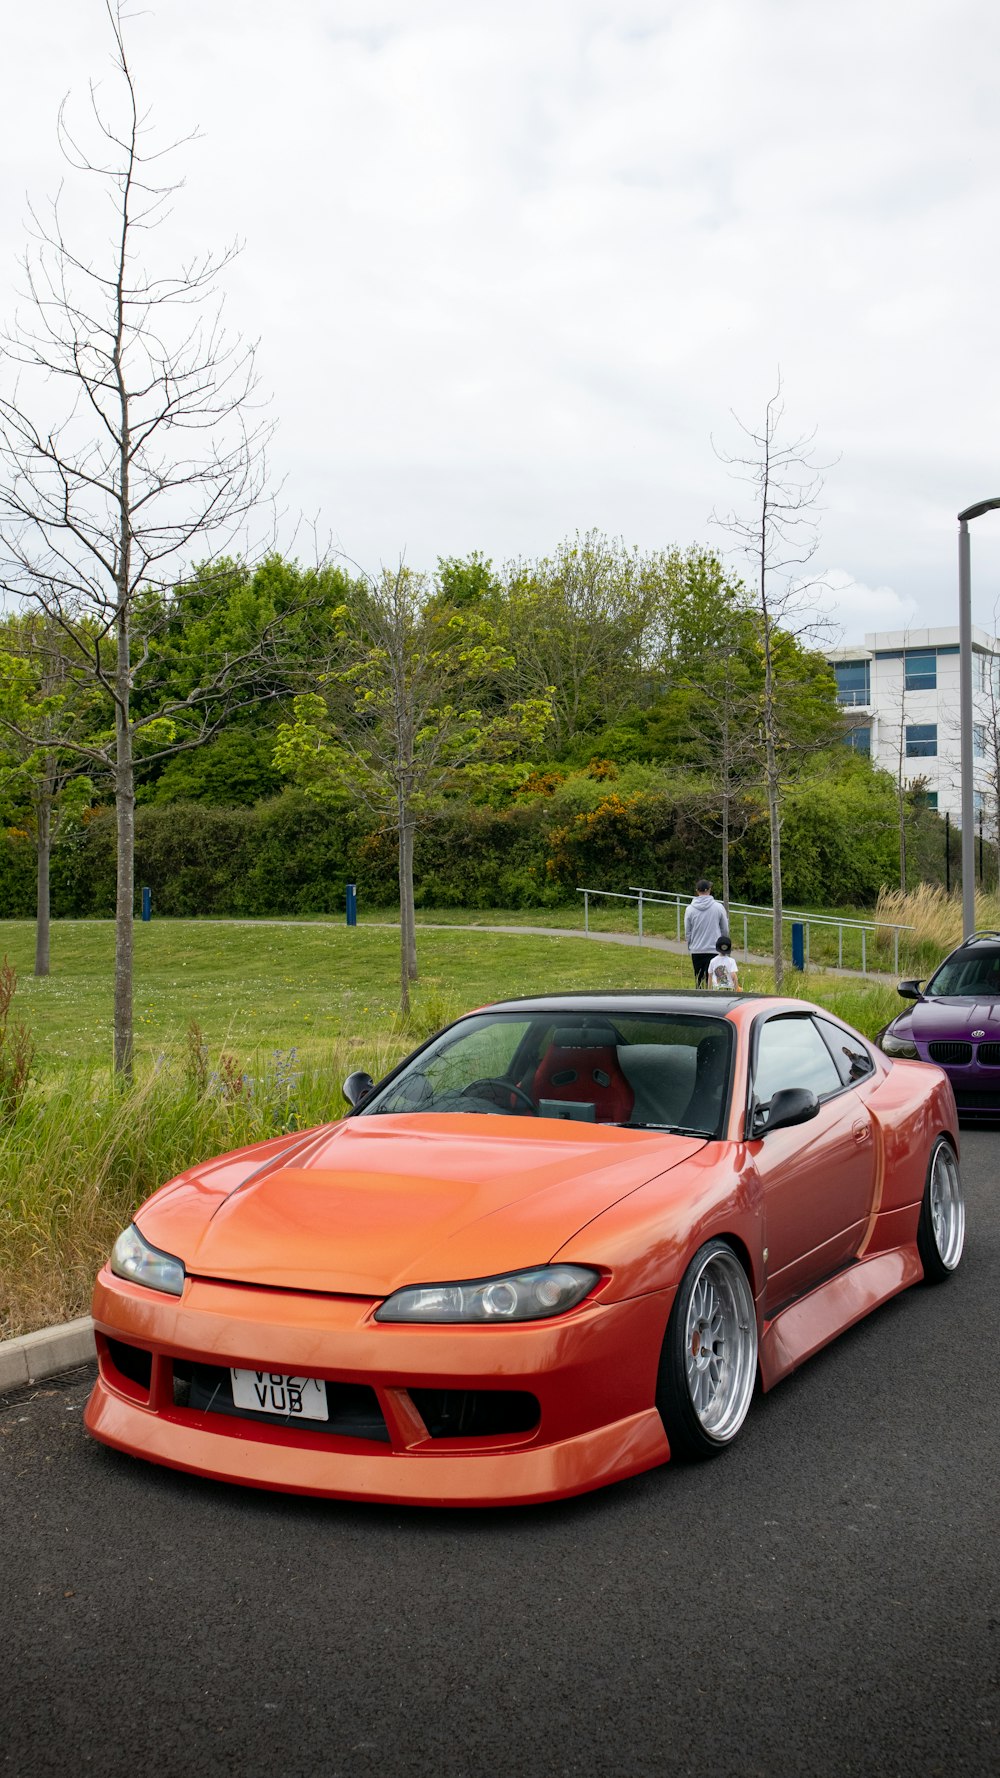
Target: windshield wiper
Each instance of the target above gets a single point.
(670, 1129)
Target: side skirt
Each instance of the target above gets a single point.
(812, 1322)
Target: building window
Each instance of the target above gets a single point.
(853, 682)
(921, 671)
(921, 740)
(979, 739)
(930, 799)
(981, 671)
(859, 739)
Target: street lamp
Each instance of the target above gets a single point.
(965, 700)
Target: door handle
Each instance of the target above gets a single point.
(862, 1131)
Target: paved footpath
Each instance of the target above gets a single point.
(823, 1601)
(648, 941)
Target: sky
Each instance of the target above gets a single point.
(518, 268)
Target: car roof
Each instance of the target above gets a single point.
(977, 940)
(713, 1004)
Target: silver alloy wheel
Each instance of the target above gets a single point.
(720, 1345)
(947, 1206)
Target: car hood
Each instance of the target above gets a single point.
(930, 1019)
(375, 1203)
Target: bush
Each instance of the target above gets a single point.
(291, 856)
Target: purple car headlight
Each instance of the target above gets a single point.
(899, 1046)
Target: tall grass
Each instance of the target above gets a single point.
(936, 918)
(80, 1155)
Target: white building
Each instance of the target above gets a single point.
(901, 694)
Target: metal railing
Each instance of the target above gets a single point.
(747, 911)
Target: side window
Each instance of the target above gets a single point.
(791, 1053)
(852, 1059)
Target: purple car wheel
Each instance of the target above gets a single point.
(941, 1230)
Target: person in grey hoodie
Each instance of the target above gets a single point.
(705, 922)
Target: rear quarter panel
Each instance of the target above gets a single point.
(912, 1103)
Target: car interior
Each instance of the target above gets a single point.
(658, 1072)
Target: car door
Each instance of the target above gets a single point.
(818, 1178)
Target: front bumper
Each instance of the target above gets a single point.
(976, 1089)
(593, 1373)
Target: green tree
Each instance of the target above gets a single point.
(580, 626)
(421, 703)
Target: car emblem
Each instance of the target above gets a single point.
(979, 1033)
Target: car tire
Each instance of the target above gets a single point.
(705, 1384)
(941, 1229)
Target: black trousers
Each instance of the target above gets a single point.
(701, 961)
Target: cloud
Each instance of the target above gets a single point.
(853, 609)
(513, 264)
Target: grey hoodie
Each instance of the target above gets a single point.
(705, 923)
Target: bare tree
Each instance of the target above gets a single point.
(778, 534)
(128, 442)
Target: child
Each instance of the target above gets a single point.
(722, 971)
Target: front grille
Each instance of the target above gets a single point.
(955, 1053)
(988, 1054)
(476, 1413)
(352, 1408)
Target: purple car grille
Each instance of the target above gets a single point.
(988, 1055)
(951, 1052)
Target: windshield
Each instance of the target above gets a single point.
(643, 1070)
(968, 975)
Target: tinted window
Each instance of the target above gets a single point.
(921, 672)
(921, 740)
(852, 1059)
(853, 682)
(791, 1053)
(968, 973)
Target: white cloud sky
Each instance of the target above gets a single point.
(513, 264)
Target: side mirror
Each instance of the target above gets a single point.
(793, 1105)
(357, 1086)
(909, 991)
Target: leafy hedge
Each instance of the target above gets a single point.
(290, 856)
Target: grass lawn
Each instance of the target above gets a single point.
(256, 984)
(282, 986)
(285, 1011)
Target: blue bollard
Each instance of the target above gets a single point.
(147, 904)
(352, 904)
(798, 945)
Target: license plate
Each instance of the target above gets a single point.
(275, 1392)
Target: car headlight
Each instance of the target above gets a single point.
(899, 1046)
(134, 1259)
(517, 1296)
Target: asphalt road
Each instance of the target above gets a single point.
(822, 1600)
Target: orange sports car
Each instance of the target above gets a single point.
(555, 1246)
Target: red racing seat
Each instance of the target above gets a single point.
(581, 1067)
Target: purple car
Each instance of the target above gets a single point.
(955, 1022)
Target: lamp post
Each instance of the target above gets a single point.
(965, 701)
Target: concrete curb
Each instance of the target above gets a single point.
(34, 1356)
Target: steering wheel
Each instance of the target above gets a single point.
(493, 1085)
